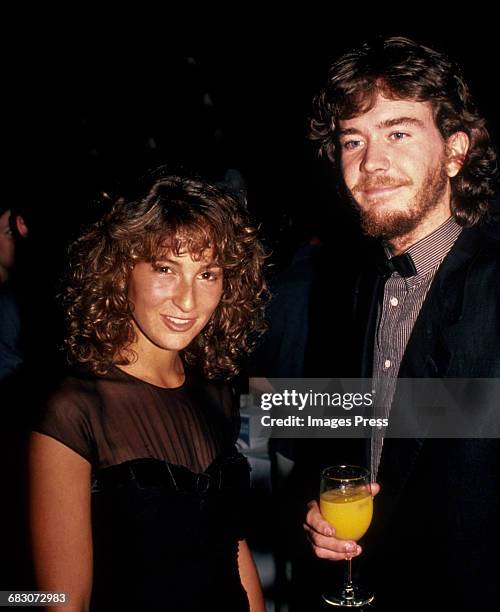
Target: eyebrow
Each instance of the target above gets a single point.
(401, 121)
(388, 123)
(172, 262)
(165, 260)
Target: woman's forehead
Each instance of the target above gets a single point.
(195, 242)
(205, 256)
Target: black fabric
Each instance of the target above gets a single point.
(169, 490)
(11, 357)
(431, 534)
(166, 538)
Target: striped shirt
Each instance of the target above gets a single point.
(402, 301)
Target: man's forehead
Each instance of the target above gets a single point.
(387, 111)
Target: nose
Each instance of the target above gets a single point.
(375, 158)
(184, 297)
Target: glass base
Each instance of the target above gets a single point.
(350, 597)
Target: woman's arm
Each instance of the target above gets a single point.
(250, 578)
(59, 514)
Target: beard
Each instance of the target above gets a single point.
(391, 224)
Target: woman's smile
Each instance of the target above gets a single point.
(177, 324)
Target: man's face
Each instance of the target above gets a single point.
(393, 160)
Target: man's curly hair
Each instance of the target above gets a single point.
(176, 215)
(401, 69)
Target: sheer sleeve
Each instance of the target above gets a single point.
(116, 418)
(66, 418)
(225, 396)
(232, 410)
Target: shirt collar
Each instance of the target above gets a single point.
(430, 251)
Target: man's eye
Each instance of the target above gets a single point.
(399, 135)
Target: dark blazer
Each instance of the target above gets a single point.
(433, 538)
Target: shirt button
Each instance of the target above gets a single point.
(394, 301)
(387, 363)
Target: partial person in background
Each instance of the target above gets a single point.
(10, 350)
(138, 493)
(7, 247)
(38, 268)
(15, 571)
(13, 230)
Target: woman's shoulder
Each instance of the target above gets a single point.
(67, 413)
(76, 389)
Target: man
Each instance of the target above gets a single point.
(415, 158)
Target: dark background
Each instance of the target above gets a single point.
(92, 105)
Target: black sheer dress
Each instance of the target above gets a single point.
(169, 489)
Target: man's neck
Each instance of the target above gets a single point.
(400, 244)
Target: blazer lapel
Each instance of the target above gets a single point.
(368, 299)
(429, 351)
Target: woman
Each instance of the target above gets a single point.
(138, 493)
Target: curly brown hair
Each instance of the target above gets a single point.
(177, 214)
(402, 69)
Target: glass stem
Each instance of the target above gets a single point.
(348, 593)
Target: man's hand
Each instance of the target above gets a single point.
(322, 535)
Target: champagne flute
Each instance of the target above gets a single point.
(346, 502)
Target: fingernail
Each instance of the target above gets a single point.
(328, 532)
(349, 548)
(358, 550)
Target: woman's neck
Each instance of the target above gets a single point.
(161, 368)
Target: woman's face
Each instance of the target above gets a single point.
(173, 299)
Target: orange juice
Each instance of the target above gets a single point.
(350, 512)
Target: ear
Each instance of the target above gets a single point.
(457, 146)
(21, 226)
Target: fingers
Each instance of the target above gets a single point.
(375, 488)
(331, 548)
(322, 537)
(316, 521)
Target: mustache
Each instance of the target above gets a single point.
(380, 181)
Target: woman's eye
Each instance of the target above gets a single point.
(209, 275)
(350, 145)
(163, 269)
